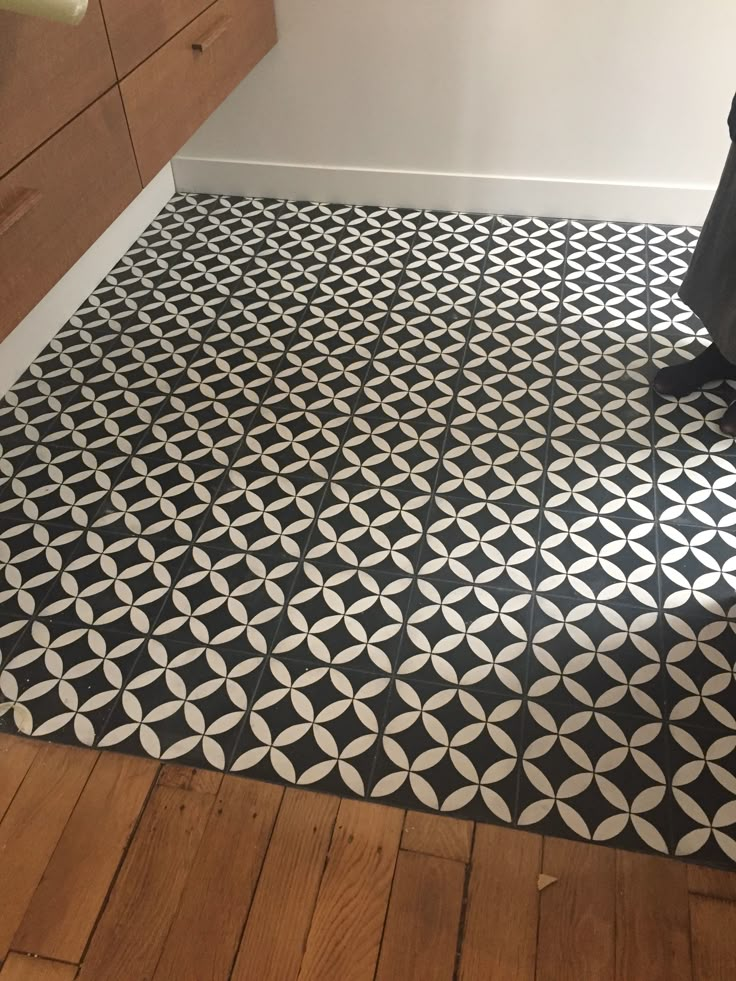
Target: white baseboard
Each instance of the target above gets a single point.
(660, 203)
(21, 347)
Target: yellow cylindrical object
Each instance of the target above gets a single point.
(64, 11)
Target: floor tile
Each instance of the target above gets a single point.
(397, 387)
(516, 349)
(609, 411)
(467, 635)
(255, 512)
(183, 703)
(608, 253)
(371, 528)
(167, 498)
(292, 442)
(522, 315)
(696, 488)
(67, 678)
(114, 421)
(601, 479)
(450, 749)
(228, 600)
(345, 617)
(114, 579)
(693, 423)
(60, 485)
(483, 543)
(32, 554)
(595, 656)
(313, 727)
(381, 502)
(196, 429)
(602, 350)
(612, 304)
(601, 558)
(703, 765)
(698, 570)
(502, 402)
(594, 776)
(493, 466)
(318, 382)
(701, 660)
(391, 453)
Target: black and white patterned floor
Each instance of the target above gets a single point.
(381, 502)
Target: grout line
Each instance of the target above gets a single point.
(656, 494)
(413, 591)
(176, 573)
(294, 579)
(542, 508)
(303, 556)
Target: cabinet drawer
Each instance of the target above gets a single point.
(49, 73)
(169, 96)
(56, 203)
(137, 28)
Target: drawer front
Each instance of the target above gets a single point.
(48, 73)
(137, 28)
(169, 96)
(56, 203)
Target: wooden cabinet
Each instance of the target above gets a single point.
(71, 159)
(137, 28)
(59, 200)
(176, 89)
(48, 74)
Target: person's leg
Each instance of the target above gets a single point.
(728, 420)
(679, 380)
(709, 290)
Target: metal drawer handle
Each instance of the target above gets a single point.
(16, 206)
(215, 32)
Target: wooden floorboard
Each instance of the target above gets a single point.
(16, 756)
(714, 944)
(222, 881)
(345, 935)
(281, 913)
(711, 882)
(436, 834)
(652, 919)
(577, 914)
(115, 868)
(421, 932)
(132, 930)
(500, 938)
(32, 826)
(64, 908)
(22, 967)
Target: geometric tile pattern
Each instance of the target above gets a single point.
(381, 502)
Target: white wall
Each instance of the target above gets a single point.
(618, 93)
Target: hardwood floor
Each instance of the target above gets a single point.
(114, 868)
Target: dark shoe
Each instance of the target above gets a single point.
(728, 420)
(682, 379)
